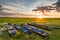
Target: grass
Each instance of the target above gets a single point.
(54, 33)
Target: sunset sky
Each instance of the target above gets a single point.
(26, 6)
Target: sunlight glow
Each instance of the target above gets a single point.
(40, 15)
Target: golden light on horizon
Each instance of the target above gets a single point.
(39, 17)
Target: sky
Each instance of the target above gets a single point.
(25, 6)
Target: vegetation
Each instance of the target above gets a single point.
(54, 33)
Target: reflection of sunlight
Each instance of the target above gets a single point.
(39, 19)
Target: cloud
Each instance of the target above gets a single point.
(25, 5)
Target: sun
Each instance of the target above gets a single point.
(40, 15)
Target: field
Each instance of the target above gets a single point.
(54, 33)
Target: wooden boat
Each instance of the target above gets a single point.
(45, 27)
(22, 29)
(36, 30)
(11, 30)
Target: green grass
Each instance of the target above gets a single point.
(54, 33)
